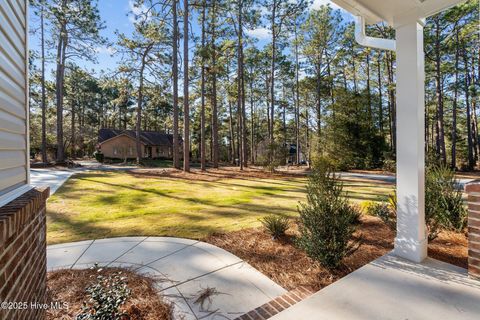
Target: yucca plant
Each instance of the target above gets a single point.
(275, 225)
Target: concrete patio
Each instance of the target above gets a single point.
(394, 288)
(183, 268)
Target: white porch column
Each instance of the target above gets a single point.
(411, 241)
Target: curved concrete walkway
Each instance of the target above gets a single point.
(184, 269)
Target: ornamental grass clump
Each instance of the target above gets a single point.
(327, 220)
(444, 206)
(275, 225)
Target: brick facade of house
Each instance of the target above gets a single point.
(473, 192)
(23, 256)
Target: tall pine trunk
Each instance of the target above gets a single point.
(439, 94)
(44, 95)
(272, 75)
(215, 145)
(297, 99)
(454, 108)
(202, 94)
(176, 151)
(73, 138)
(470, 146)
(139, 108)
(240, 95)
(186, 107)
(391, 103)
(60, 77)
(380, 96)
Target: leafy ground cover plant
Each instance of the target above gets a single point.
(106, 297)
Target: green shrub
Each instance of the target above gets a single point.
(99, 156)
(444, 207)
(275, 225)
(106, 296)
(274, 156)
(385, 211)
(389, 165)
(327, 220)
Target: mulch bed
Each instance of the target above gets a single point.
(290, 267)
(68, 286)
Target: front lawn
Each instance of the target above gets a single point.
(167, 203)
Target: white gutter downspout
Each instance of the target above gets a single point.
(364, 40)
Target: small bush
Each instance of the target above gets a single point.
(275, 225)
(99, 156)
(274, 156)
(390, 165)
(107, 295)
(444, 207)
(385, 211)
(327, 220)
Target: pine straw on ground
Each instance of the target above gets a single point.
(68, 286)
(215, 174)
(290, 267)
(450, 247)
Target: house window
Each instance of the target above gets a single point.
(115, 151)
(158, 150)
(130, 150)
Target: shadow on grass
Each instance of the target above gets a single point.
(209, 176)
(67, 229)
(266, 191)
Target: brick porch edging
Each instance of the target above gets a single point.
(473, 191)
(23, 267)
(277, 305)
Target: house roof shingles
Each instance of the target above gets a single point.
(151, 138)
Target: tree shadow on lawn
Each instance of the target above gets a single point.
(207, 183)
(369, 186)
(194, 200)
(245, 205)
(214, 177)
(84, 229)
(71, 230)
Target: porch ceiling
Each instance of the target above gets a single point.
(376, 11)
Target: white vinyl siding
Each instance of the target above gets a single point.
(13, 98)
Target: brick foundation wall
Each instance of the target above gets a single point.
(473, 192)
(23, 256)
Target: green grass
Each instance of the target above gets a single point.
(111, 204)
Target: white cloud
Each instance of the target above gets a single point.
(259, 33)
(317, 3)
(135, 11)
(105, 50)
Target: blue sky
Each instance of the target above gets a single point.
(116, 16)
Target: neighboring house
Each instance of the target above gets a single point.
(292, 154)
(121, 144)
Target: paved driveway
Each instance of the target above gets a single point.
(184, 269)
(54, 178)
(461, 182)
